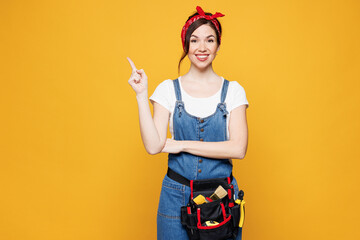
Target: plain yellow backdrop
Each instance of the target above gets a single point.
(72, 163)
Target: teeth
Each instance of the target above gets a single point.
(202, 56)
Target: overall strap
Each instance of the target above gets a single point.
(177, 89)
(224, 90)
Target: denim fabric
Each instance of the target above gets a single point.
(175, 195)
(208, 129)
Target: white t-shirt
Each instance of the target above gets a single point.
(164, 94)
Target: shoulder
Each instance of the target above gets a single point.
(236, 95)
(165, 84)
(235, 84)
(235, 88)
(164, 92)
(165, 87)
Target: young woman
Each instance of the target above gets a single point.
(206, 116)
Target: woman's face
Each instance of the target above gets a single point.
(203, 46)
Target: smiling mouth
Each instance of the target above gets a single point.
(202, 57)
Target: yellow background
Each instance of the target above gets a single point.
(72, 163)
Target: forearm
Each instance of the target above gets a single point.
(220, 150)
(149, 133)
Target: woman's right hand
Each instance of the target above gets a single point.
(138, 80)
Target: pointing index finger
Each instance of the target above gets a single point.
(131, 64)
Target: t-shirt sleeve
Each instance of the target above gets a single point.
(238, 97)
(161, 95)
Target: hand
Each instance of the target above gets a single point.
(172, 146)
(138, 79)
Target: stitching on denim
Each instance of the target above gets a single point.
(170, 217)
(179, 188)
(183, 203)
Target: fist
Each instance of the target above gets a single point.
(172, 146)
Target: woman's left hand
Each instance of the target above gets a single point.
(172, 146)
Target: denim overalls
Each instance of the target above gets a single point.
(174, 195)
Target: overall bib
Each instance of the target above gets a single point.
(174, 195)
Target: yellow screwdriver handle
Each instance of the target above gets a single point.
(242, 213)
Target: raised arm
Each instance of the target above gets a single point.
(235, 147)
(153, 129)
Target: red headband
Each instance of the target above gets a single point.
(197, 17)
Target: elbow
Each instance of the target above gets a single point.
(240, 154)
(153, 150)
(239, 150)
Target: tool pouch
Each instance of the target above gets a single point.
(226, 212)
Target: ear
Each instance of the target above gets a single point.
(218, 49)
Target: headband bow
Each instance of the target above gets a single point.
(197, 17)
(208, 17)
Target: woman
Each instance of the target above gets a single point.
(207, 116)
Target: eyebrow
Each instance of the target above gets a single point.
(206, 37)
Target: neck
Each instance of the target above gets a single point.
(198, 74)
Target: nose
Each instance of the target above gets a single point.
(202, 46)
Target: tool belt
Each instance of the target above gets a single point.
(216, 219)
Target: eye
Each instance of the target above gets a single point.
(211, 40)
(193, 40)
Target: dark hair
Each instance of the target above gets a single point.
(192, 28)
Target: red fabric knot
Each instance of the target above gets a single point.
(202, 13)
